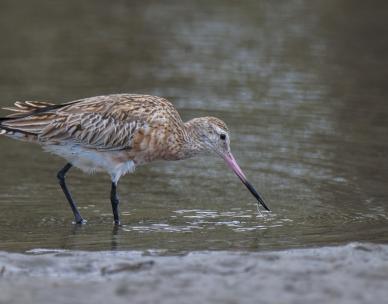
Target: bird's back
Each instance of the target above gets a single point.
(110, 122)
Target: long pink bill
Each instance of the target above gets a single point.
(232, 163)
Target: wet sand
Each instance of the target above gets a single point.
(354, 273)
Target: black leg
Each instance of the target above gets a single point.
(61, 177)
(115, 203)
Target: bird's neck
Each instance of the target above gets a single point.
(193, 139)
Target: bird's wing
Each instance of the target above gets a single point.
(22, 107)
(92, 130)
(103, 122)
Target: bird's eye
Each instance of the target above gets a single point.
(222, 136)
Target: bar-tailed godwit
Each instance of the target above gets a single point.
(115, 134)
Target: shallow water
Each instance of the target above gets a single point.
(301, 85)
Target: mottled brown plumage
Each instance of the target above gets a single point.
(116, 133)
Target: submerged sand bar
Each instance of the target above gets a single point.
(354, 273)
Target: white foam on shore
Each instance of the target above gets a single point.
(353, 273)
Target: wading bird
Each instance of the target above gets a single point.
(116, 133)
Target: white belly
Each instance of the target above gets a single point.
(90, 160)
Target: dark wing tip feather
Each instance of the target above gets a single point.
(27, 108)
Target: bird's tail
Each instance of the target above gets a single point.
(22, 124)
(17, 134)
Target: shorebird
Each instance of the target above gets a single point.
(115, 134)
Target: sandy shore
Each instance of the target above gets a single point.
(355, 273)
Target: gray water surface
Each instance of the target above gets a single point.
(302, 86)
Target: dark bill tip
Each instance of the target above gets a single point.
(256, 195)
(230, 160)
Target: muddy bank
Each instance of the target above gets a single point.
(355, 273)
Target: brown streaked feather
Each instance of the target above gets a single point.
(218, 122)
(93, 131)
(26, 106)
(103, 122)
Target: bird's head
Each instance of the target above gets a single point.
(214, 136)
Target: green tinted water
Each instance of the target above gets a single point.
(301, 85)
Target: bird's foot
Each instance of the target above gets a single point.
(80, 221)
